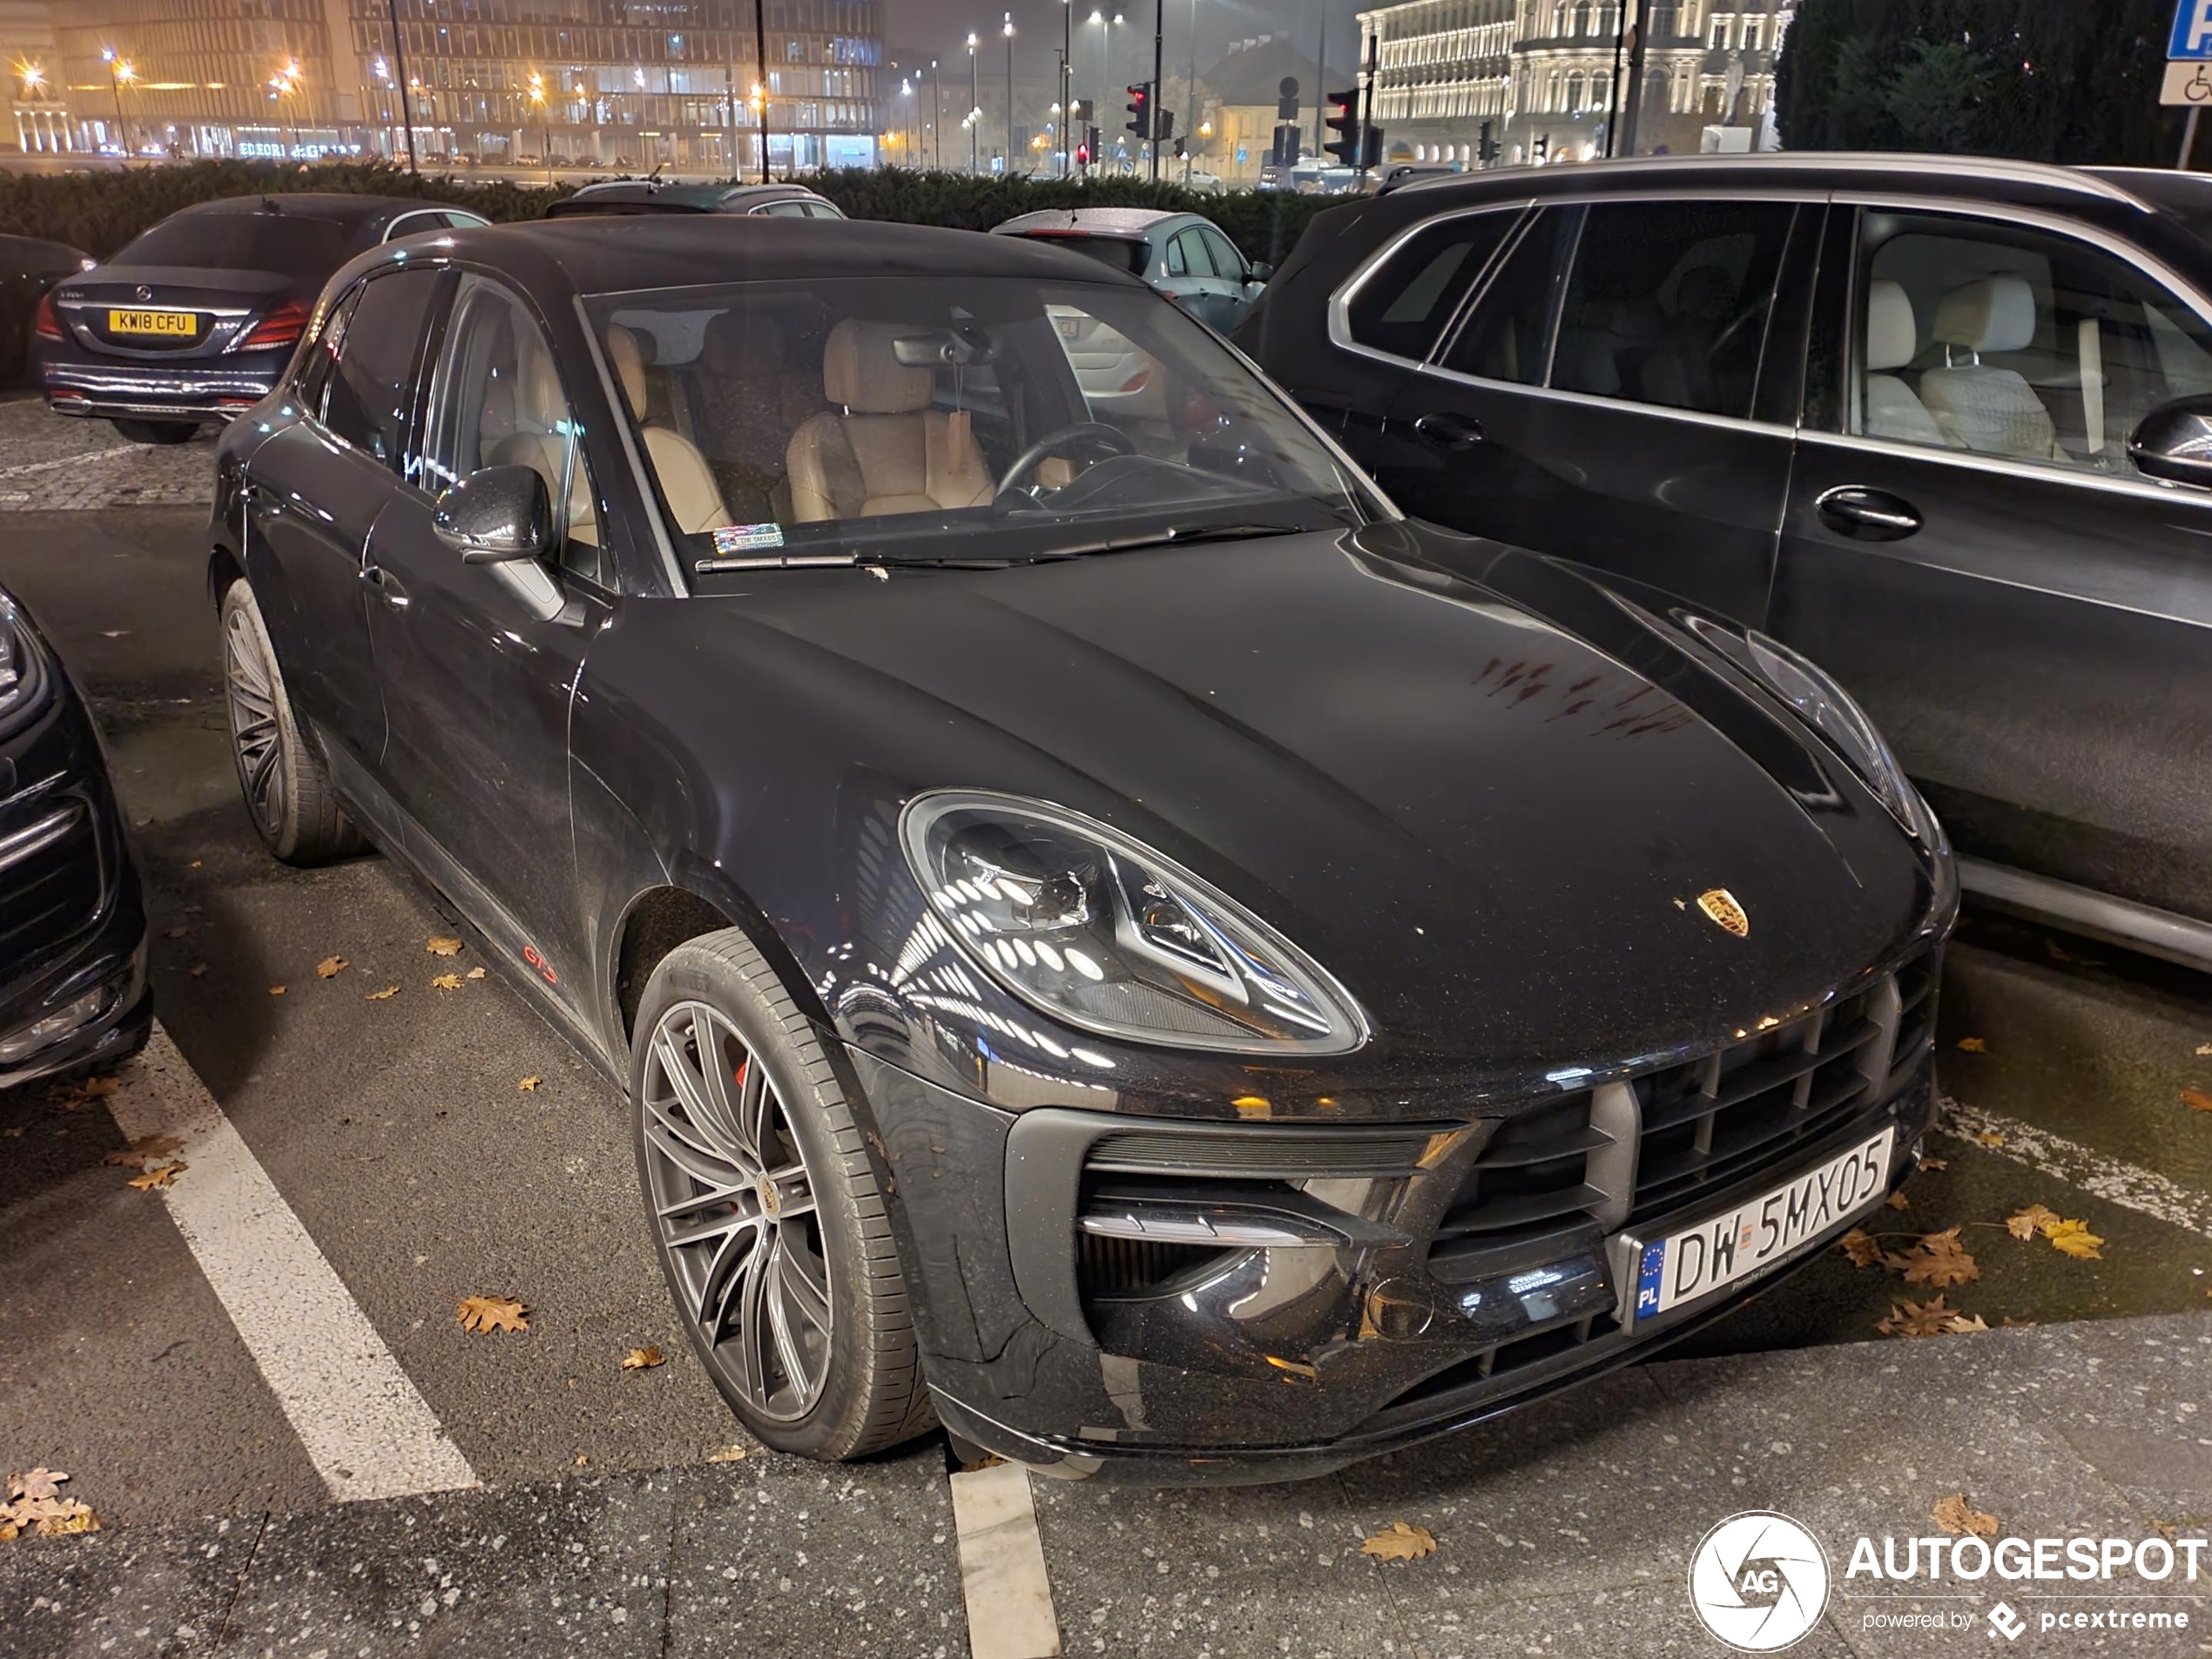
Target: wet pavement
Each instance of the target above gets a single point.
(397, 1132)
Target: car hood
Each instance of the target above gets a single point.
(1484, 792)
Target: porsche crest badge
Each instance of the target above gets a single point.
(1723, 911)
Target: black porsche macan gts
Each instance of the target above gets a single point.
(1112, 936)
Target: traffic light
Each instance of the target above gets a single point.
(1140, 109)
(1486, 147)
(1371, 152)
(1095, 141)
(1083, 155)
(1342, 118)
(1543, 146)
(1163, 125)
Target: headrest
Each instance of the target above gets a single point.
(1704, 294)
(628, 359)
(861, 371)
(1892, 335)
(743, 343)
(537, 383)
(1992, 314)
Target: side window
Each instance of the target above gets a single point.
(1999, 340)
(1226, 260)
(498, 402)
(1667, 302)
(1404, 302)
(321, 358)
(1507, 334)
(1179, 258)
(371, 389)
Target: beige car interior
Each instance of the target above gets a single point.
(1982, 406)
(883, 449)
(686, 482)
(540, 439)
(1893, 409)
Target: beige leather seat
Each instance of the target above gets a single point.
(1893, 410)
(686, 483)
(540, 440)
(887, 451)
(1990, 410)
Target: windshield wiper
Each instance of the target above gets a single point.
(1175, 535)
(877, 558)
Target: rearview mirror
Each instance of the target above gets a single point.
(2175, 443)
(957, 347)
(1262, 272)
(496, 516)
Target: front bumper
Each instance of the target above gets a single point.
(73, 987)
(206, 389)
(1446, 1273)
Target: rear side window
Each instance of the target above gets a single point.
(289, 243)
(1507, 336)
(1118, 252)
(1405, 301)
(1668, 300)
(372, 385)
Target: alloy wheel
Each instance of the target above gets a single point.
(249, 694)
(733, 1205)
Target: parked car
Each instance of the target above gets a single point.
(28, 266)
(73, 987)
(1185, 256)
(656, 196)
(1938, 423)
(1094, 920)
(195, 320)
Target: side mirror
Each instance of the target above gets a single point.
(2175, 443)
(1262, 272)
(496, 516)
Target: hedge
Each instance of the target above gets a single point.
(99, 212)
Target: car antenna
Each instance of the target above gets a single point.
(269, 206)
(653, 178)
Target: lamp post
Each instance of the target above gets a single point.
(119, 73)
(906, 121)
(282, 86)
(760, 89)
(545, 123)
(1066, 84)
(974, 103)
(1009, 95)
(405, 86)
(936, 117)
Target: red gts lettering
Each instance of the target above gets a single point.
(544, 968)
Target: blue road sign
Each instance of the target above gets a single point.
(2192, 35)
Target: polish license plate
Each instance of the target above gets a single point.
(181, 325)
(1725, 1249)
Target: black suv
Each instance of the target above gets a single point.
(1941, 423)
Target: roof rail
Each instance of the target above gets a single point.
(2057, 177)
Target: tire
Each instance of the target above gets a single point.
(288, 790)
(157, 431)
(801, 1315)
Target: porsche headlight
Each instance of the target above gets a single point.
(1091, 928)
(1830, 711)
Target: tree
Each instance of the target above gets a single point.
(1935, 99)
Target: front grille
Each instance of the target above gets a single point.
(51, 892)
(1561, 1173)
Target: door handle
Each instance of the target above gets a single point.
(1867, 515)
(261, 500)
(1448, 431)
(385, 585)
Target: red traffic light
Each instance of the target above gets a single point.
(1083, 154)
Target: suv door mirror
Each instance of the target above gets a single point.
(496, 516)
(1261, 273)
(2175, 443)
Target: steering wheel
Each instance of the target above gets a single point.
(1091, 432)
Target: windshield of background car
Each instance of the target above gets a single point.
(1128, 254)
(961, 419)
(290, 244)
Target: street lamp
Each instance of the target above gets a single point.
(545, 123)
(119, 75)
(937, 118)
(1009, 95)
(974, 103)
(282, 86)
(907, 91)
(1066, 78)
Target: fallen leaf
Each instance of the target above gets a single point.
(14, 1132)
(195, 864)
(1990, 1137)
(160, 1176)
(1399, 1542)
(583, 1458)
(2009, 1323)
(441, 946)
(988, 1460)
(727, 1454)
(176, 933)
(1964, 1324)
(1898, 1201)
(2196, 1100)
(473, 973)
(2204, 1050)
(41, 1482)
(1939, 1261)
(1935, 1163)
(446, 981)
(143, 1151)
(644, 1359)
(528, 1085)
(491, 1313)
(1919, 1320)
(331, 967)
(197, 969)
(1862, 1247)
(2025, 1224)
(2073, 1238)
(1973, 1045)
(276, 990)
(1958, 1517)
(384, 995)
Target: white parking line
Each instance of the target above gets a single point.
(368, 1433)
(2126, 1185)
(22, 469)
(1002, 1566)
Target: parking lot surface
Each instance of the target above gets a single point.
(429, 1145)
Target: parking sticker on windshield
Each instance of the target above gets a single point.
(748, 538)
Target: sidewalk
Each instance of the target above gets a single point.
(1564, 1530)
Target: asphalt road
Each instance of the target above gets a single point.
(398, 1132)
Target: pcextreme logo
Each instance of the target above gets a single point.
(1758, 1581)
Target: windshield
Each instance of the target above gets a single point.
(1128, 254)
(966, 420)
(291, 244)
